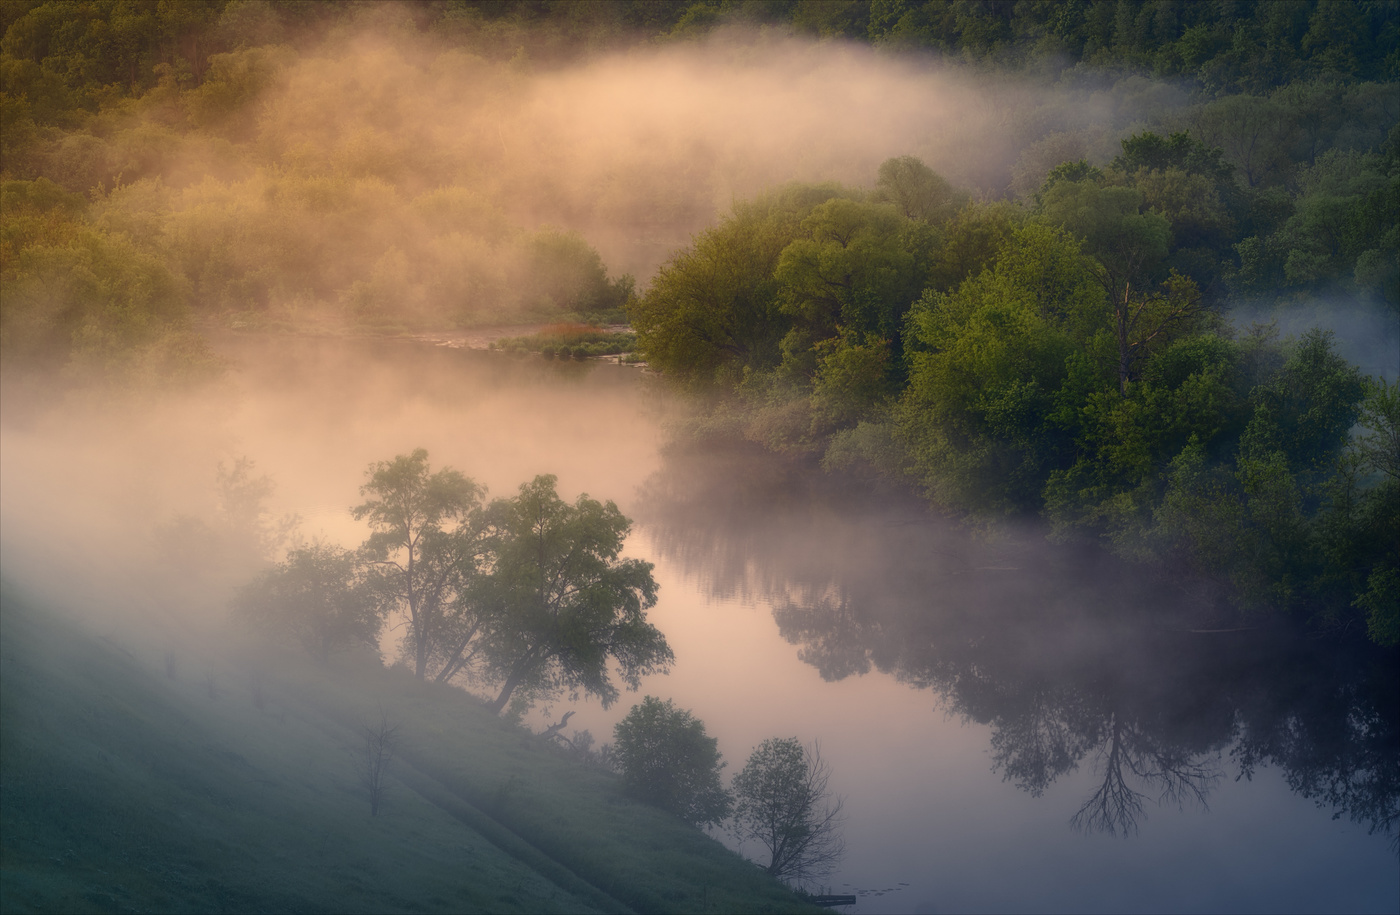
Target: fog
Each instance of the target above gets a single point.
(86, 490)
(379, 171)
(1367, 335)
(380, 174)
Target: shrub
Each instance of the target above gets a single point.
(667, 759)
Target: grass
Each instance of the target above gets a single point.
(123, 788)
(570, 339)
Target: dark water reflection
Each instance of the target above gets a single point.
(1074, 660)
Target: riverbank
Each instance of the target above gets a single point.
(145, 770)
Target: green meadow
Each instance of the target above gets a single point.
(137, 776)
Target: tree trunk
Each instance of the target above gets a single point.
(1125, 354)
(517, 676)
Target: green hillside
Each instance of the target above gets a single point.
(132, 779)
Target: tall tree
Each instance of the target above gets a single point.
(567, 606)
(428, 542)
(782, 801)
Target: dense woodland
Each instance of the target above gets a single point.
(1054, 344)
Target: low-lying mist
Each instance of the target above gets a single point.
(111, 506)
(382, 174)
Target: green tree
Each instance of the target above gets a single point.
(668, 760)
(566, 606)
(712, 311)
(1130, 246)
(915, 190)
(986, 362)
(319, 597)
(853, 270)
(783, 802)
(428, 543)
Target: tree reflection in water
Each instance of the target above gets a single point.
(1071, 657)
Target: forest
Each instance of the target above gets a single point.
(1054, 334)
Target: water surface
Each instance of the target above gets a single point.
(1013, 726)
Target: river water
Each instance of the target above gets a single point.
(1012, 726)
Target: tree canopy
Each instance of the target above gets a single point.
(319, 597)
(1071, 358)
(781, 801)
(566, 606)
(427, 548)
(527, 596)
(668, 760)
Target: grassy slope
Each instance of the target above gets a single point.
(124, 789)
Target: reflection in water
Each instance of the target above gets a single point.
(1072, 658)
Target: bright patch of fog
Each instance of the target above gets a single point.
(1367, 335)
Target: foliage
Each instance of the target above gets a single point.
(667, 759)
(594, 341)
(317, 596)
(565, 606)
(86, 301)
(1073, 361)
(712, 311)
(426, 547)
(528, 595)
(989, 359)
(781, 801)
(157, 178)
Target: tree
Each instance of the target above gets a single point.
(427, 544)
(852, 269)
(668, 760)
(986, 361)
(318, 596)
(564, 606)
(381, 741)
(712, 310)
(916, 190)
(782, 801)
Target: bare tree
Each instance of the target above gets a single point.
(381, 740)
(782, 801)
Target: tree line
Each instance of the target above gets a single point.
(526, 597)
(1069, 358)
(529, 598)
(78, 51)
(148, 188)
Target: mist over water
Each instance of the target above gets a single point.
(974, 696)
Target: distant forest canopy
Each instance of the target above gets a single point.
(95, 47)
(1042, 337)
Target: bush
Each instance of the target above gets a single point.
(783, 803)
(667, 759)
(318, 597)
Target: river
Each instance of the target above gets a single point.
(1012, 726)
